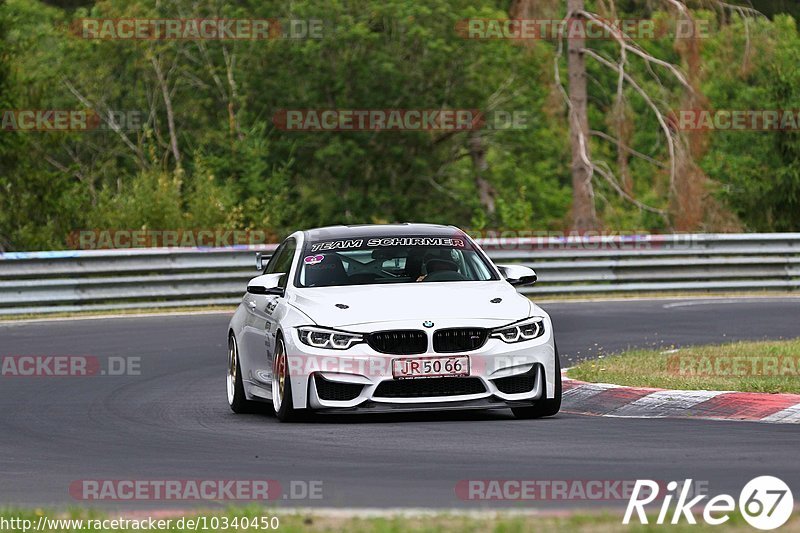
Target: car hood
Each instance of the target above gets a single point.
(411, 301)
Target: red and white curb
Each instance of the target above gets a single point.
(603, 399)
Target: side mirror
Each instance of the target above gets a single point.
(259, 262)
(266, 284)
(518, 275)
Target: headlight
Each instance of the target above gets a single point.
(328, 338)
(524, 330)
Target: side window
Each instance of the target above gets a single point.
(482, 273)
(273, 261)
(282, 260)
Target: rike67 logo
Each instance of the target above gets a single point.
(765, 502)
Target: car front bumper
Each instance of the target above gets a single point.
(501, 375)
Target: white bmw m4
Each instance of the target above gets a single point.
(382, 318)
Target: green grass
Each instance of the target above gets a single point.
(302, 521)
(768, 366)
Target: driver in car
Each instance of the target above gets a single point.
(437, 265)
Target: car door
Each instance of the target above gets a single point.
(276, 306)
(261, 323)
(264, 313)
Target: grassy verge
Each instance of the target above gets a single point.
(293, 521)
(769, 366)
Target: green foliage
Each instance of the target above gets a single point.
(239, 171)
(760, 171)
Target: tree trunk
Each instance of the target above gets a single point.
(584, 216)
(173, 136)
(535, 9)
(622, 126)
(477, 151)
(690, 201)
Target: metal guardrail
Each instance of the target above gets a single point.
(67, 281)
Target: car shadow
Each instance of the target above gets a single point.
(406, 417)
(265, 411)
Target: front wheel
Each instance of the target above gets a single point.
(236, 397)
(545, 406)
(282, 385)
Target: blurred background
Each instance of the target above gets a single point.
(208, 154)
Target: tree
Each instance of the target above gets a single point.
(686, 181)
(584, 216)
(209, 155)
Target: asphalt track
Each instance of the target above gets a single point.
(172, 421)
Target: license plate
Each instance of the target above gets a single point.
(425, 367)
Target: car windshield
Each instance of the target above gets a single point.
(408, 259)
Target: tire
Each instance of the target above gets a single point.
(547, 406)
(282, 385)
(236, 397)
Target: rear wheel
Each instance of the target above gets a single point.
(282, 385)
(236, 396)
(545, 406)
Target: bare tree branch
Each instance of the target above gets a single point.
(659, 115)
(620, 37)
(173, 136)
(604, 171)
(230, 66)
(628, 149)
(108, 119)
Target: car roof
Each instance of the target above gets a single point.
(381, 230)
